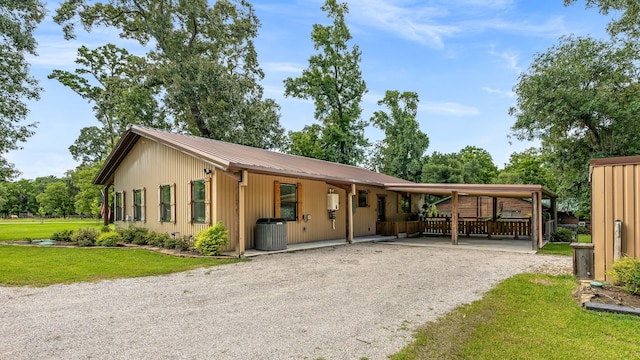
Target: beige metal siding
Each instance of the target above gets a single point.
(150, 165)
(614, 196)
(260, 202)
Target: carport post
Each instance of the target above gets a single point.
(454, 218)
(351, 194)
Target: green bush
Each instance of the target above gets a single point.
(211, 240)
(64, 235)
(184, 243)
(156, 239)
(170, 243)
(105, 229)
(626, 272)
(582, 230)
(111, 238)
(134, 234)
(85, 237)
(563, 235)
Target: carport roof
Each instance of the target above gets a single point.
(497, 190)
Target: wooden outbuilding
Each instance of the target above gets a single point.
(615, 211)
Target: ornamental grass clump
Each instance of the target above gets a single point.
(626, 273)
(211, 240)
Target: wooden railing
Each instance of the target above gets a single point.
(468, 227)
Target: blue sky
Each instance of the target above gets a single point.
(462, 57)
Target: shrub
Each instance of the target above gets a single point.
(184, 243)
(156, 239)
(108, 239)
(582, 230)
(563, 235)
(211, 240)
(626, 272)
(105, 229)
(134, 234)
(85, 237)
(64, 235)
(169, 243)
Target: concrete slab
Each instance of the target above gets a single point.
(464, 243)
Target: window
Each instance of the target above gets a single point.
(198, 201)
(119, 207)
(405, 203)
(165, 203)
(363, 198)
(288, 202)
(137, 205)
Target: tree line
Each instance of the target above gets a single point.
(200, 75)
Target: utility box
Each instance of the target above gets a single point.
(271, 234)
(583, 261)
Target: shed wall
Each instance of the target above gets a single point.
(614, 196)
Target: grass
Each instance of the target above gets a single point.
(529, 316)
(35, 229)
(43, 266)
(563, 249)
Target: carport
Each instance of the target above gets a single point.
(534, 192)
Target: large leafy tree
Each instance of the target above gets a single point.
(57, 199)
(401, 152)
(629, 19)
(334, 82)
(114, 82)
(203, 59)
(581, 99)
(18, 19)
(442, 168)
(478, 166)
(88, 199)
(527, 167)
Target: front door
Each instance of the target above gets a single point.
(381, 209)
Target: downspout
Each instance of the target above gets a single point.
(242, 185)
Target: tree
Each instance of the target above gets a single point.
(18, 20)
(442, 169)
(334, 81)
(628, 22)
(307, 142)
(203, 61)
(581, 99)
(8, 172)
(527, 167)
(56, 199)
(478, 166)
(88, 199)
(401, 152)
(114, 82)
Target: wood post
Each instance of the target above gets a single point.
(242, 185)
(534, 221)
(105, 215)
(454, 218)
(351, 194)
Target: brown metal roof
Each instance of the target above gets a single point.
(234, 157)
(622, 160)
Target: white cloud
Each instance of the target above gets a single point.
(509, 94)
(449, 109)
(285, 67)
(416, 24)
(510, 57)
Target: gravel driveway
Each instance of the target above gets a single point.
(344, 302)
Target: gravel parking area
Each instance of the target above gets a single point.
(344, 302)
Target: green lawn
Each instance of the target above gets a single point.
(42, 266)
(35, 229)
(529, 316)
